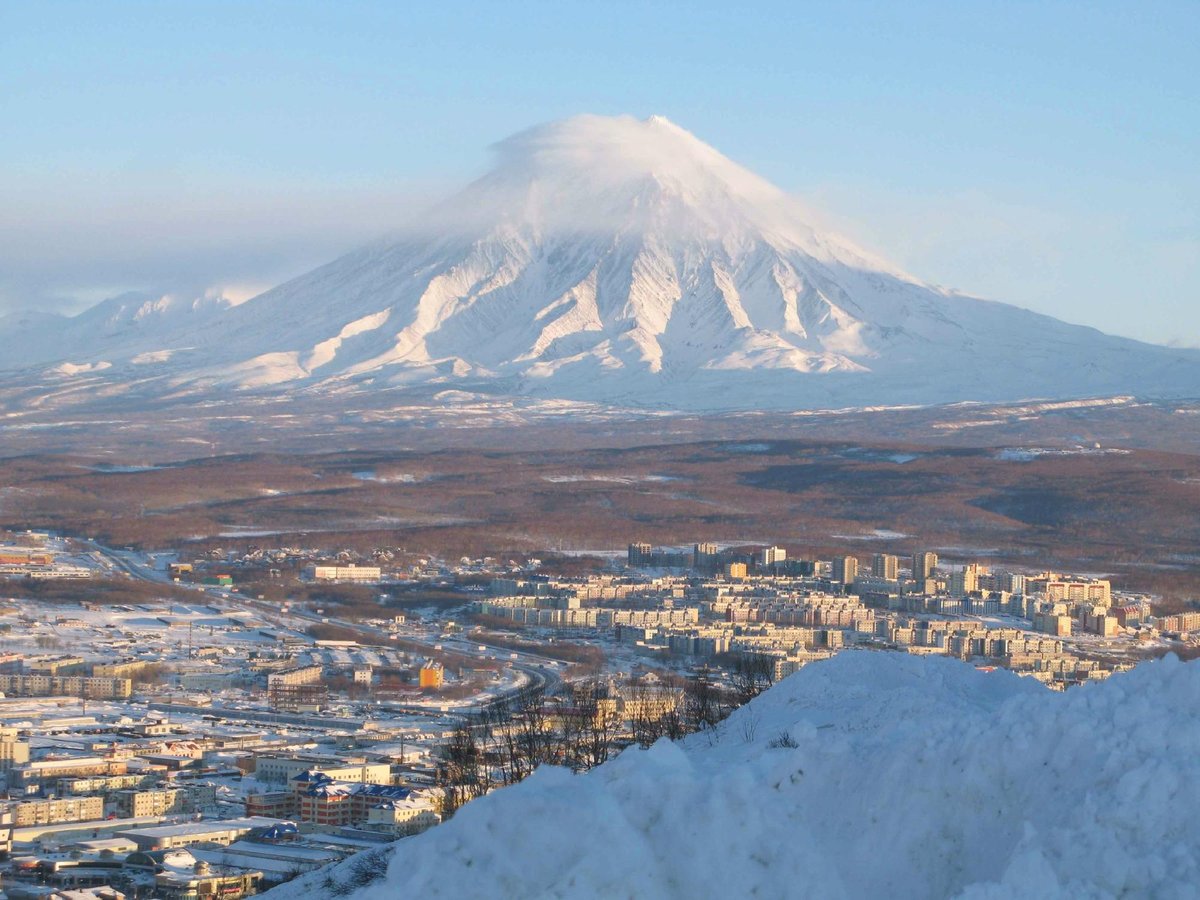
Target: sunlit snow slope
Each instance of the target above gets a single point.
(626, 261)
(909, 778)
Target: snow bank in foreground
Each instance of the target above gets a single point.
(908, 778)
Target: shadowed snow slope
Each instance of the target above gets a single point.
(622, 261)
(910, 778)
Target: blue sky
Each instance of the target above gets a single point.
(1045, 154)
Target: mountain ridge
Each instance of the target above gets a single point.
(620, 261)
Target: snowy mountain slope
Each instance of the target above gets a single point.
(623, 260)
(909, 778)
(133, 327)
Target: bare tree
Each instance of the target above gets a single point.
(750, 674)
(704, 702)
(464, 776)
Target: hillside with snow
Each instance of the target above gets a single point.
(610, 260)
(134, 329)
(867, 775)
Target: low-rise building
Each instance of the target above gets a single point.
(53, 812)
(351, 572)
(78, 767)
(133, 804)
(66, 686)
(125, 668)
(221, 831)
(321, 801)
(101, 784)
(202, 882)
(273, 804)
(411, 815)
(55, 665)
(274, 769)
(1187, 621)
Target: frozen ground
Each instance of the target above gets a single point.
(864, 776)
(158, 630)
(875, 534)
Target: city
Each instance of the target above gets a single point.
(579, 451)
(183, 736)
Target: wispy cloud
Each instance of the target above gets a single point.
(68, 245)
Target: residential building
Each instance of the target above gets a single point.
(965, 580)
(1187, 621)
(411, 815)
(13, 751)
(66, 686)
(282, 769)
(55, 665)
(706, 556)
(886, 566)
(638, 556)
(349, 572)
(133, 804)
(53, 812)
(923, 565)
(45, 770)
(845, 569)
(1057, 588)
(773, 555)
(125, 668)
(432, 675)
(274, 804)
(333, 804)
(101, 784)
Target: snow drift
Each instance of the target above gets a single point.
(621, 261)
(868, 775)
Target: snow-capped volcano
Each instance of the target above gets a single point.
(624, 260)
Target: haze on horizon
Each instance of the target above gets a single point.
(1045, 159)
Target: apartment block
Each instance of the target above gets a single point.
(885, 566)
(125, 668)
(923, 565)
(77, 767)
(13, 751)
(323, 802)
(351, 572)
(845, 569)
(55, 665)
(1188, 621)
(432, 675)
(54, 812)
(66, 686)
(400, 818)
(282, 769)
(134, 803)
(1056, 588)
